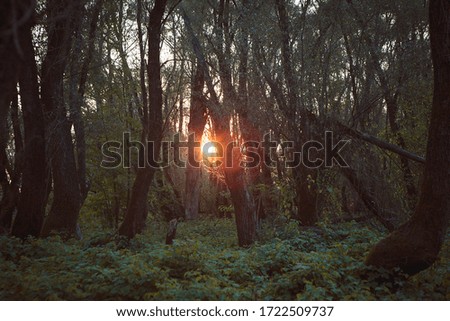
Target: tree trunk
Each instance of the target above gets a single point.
(416, 245)
(241, 198)
(64, 211)
(33, 194)
(9, 67)
(77, 100)
(197, 122)
(137, 208)
(8, 56)
(305, 195)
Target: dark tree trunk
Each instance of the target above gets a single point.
(304, 178)
(77, 100)
(416, 245)
(137, 208)
(9, 53)
(235, 178)
(65, 208)
(136, 214)
(9, 67)
(241, 197)
(7, 203)
(248, 130)
(197, 122)
(305, 194)
(33, 194)
(9, 175)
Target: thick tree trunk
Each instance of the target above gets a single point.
(244, 207)
(134, 221)
(137, 207)
(65, 208)
(241, 198)
(9, 55)
(9, 67)
(305, 194)
(7, 203)
(33, 194)
(416, 245)
(9, 175)
(197, 122)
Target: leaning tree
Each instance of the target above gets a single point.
(416, 245)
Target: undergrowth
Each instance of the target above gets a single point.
(287, 263)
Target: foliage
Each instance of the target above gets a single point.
(287, 263)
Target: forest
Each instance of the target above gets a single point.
(224, 149)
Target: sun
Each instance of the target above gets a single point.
(212, 150)
(208, 143)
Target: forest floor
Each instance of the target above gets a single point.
(287, 263)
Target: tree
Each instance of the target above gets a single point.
(152, 127)
(63, 17)
(35, 176)
(196, 126)
(13, 16)
(416, 245)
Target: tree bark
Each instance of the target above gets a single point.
(416, 245)
(65, 208)
(134, 221)
(241, 198)
(9, 174)
(10, 51)
(197, 122)
(33, 194)
(77, 101)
